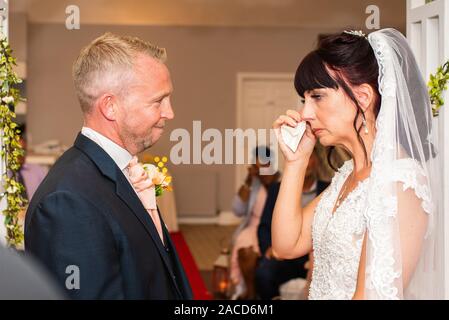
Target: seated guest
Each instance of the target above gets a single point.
(30, 175)
(249, 203)
(271, 272)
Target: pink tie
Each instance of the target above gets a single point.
(146, 191)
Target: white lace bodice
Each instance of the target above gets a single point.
(338, 238)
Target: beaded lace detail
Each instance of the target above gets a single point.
(337, 240)
(338, 237)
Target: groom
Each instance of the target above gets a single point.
(86, 223)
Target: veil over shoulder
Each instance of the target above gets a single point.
(403, 207)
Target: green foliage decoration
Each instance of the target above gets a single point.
(11, 151)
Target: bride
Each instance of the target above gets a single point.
(375, 231)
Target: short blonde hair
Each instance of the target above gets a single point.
(106, 64)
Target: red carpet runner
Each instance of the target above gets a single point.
(193, 274)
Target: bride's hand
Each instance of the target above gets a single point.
(308, 140)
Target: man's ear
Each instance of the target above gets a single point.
(365, 96)
(107, 104)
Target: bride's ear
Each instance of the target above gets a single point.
(365, 96)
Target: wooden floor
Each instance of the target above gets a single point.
(206, 241)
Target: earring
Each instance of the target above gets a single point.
(366, 127)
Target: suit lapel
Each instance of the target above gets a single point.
(125, 192)
(129, 196)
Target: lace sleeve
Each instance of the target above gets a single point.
(412, 175)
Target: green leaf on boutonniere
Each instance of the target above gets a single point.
(159, 190)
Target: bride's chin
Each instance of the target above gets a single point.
(324, 142)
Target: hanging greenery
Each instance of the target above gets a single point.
(11, 150)
(437, 85)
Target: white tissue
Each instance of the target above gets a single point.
(292, 136)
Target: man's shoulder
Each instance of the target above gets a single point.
(73, 184)
(72, 172)
(70, 164)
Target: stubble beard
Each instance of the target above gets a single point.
(135, 144)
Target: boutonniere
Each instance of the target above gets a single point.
(158, 174)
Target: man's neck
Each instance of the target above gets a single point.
(107, 133)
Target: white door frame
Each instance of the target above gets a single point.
(428, 33)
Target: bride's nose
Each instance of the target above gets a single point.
(307, 112)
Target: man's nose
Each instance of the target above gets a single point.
(167, 111)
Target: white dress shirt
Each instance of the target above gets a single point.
(120, 156)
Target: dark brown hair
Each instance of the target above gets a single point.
(351, 61)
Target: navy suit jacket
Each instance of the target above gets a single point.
(86, 216)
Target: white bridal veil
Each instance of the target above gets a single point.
(404, 185)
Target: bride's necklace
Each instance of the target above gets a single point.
(342, 193)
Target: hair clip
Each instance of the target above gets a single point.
(358, 33)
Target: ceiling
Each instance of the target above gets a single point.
(260, 13)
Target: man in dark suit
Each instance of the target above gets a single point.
(86, 223)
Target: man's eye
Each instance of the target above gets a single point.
(303, 101)
(316, 96)
(157, 103)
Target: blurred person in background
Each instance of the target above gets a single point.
(21, 278)
(249, 203)
(271, 272)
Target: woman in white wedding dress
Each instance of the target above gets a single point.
(376, 230)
